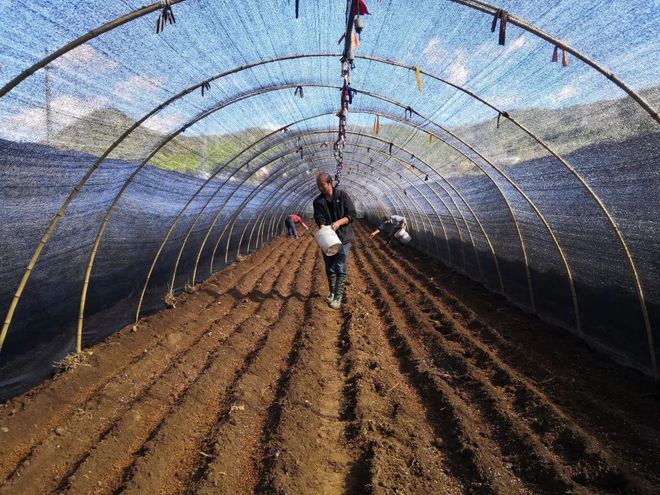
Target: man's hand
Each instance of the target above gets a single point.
(373, 234)
(335, 225)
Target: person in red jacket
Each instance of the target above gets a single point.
(291, 222)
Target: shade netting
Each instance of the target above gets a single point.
(134, 164)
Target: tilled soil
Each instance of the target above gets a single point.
(423, 383)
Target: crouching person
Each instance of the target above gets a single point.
(335, 208)
(391, 225)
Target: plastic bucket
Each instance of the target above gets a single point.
(402, 236)
(327, 240)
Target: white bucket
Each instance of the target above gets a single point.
(403, 237)
(327, 240)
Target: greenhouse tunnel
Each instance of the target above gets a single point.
(150, 155)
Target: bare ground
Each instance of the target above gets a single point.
(422, 383)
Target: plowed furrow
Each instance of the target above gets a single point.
(305, 450)
(166, 460)
(601, 398)
(469, 451)
(583, 458)
(112, 358)
(388, 414)
(232, 452)
(60, 452)
(524, 456)
(142, 419)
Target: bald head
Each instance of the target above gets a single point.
(324, 184)
(323, 177)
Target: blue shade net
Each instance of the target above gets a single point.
(215, 166)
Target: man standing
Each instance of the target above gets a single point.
(291, 222)
(391, 225)
(335, 208)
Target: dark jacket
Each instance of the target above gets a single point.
(343, 207)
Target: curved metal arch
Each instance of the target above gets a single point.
(531, 28)
(487, 238)
(518, 189)
(483, 101)
(369, 136)
(480, 6)
(276, 218)
(526, 262)
(208, 201)
(473, 4)
(372, 167)
(640, 294)
(504, 197)
(226, 200)
(449, 210)
(83, 180)
(281, 171)
(509, 208)
(236, 214)
(289, 125)
(263, 212)
(164, 141)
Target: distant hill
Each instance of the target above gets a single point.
(565, 130)
(95, 132)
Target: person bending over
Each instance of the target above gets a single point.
(291, 222)
(334, 207)
(390, 226)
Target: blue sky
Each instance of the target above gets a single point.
(133, 69)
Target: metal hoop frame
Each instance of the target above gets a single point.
(468, 3)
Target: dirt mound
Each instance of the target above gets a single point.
(421, 383)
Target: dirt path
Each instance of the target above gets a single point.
(422, 383)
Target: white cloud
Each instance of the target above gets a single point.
(136, 86)
(482, 48)
(432, 51)
(458, 72)
(163, 124)
(564, 94)
(85, 56)
(503, 101)
(271, 126)
(516, 45)
(30, 124)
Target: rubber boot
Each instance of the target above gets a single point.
(332, 281)
(339, 292)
